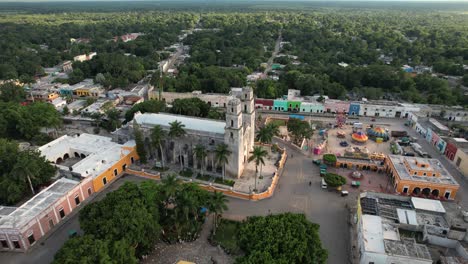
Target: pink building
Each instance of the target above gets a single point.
(21, 227)
(335, 106)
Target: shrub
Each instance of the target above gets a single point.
(203, 177)
(225, 182)
(186, 173)
(329, 159)
(334, 180)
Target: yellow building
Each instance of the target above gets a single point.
(420, 176)
(461, 160)
(43, 95)
(92, 156)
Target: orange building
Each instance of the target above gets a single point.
(420, 176)
(91, 156)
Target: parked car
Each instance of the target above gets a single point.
(373, 120)
(344, 144)
(409, 154)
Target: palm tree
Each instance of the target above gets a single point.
(170, 185)
(177, 131)
(200, 154)
(257, 155)
(264, 135)
(222, 153)
(157, 136)
(217, 205)
(273, 128)
(24, 169)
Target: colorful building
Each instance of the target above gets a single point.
(21, 227)
(294, 105)
(312, 107)
(354, 109)
(461, 161)
(451, 148)
(280, 105)
(335, 106)
(420, 176)
(265, 104)
(90, 156)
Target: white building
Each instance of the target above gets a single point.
(237, 132)
(84, 57)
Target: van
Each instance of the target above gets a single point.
(324, 184)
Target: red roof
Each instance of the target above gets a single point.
(266, 102)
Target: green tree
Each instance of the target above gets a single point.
(9, 92)
(176, 131)
(284, 238)
(222, 154)
(157, 136)
(299, 129)
(334, 180)
(200, 154)
(65, 110)
(258, 155)
(217, 204)
(139, 141)
(124, 214)
(89, 250)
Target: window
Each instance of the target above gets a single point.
(4, 243)
(433, 174)
(77, 199)
(415, 173)
(232, 123)
(62, 213)
(31, 239)
(447, 195)
(104, 180)
(16, 244)
(424, 174)
(89, 191)
(115, 172)
(405, 189)
(232, 135)
(232, 109)
(132, 160)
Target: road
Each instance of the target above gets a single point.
(43, 252)
(273, 55)
(294, 194)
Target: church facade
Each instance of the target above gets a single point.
(237, 132)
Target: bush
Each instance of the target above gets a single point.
(329, 159)
(186, 173)
(225, 182)
(334, 180)
(203, 177)
(226, 236)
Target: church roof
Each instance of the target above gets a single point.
(191, 123)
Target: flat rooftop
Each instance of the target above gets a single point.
(100, 152)
(191, 123)
(11, 217)
(444, 178)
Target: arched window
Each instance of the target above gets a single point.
(232, 123)
(245, 108)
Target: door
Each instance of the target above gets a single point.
(51, 223)
(458, 162)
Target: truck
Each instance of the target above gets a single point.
(357, 125)
(300, 117)
(396, 133)
(418, 149)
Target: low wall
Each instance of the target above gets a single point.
(227, 191)
(254, 196)
(145, 174)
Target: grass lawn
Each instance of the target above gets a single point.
(278, 122)
(225, 182)
(226, 236)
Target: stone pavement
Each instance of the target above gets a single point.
(199, 251)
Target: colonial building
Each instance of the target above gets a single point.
(237, 132)
(420, 176)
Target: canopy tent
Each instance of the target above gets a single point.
(377, 132)
(359, 136)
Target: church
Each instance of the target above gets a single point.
(237, 132)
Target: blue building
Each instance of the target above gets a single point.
(354, 109)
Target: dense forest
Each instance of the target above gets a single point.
(374, 43)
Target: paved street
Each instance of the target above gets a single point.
(44, 251)
(295, 195)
